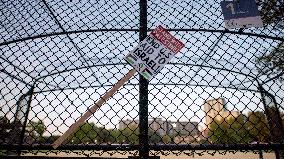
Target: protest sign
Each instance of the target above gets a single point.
(154, 52)
(148, 58)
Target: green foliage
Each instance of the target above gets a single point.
(38, 127)
(166, 139)
(36, 130)
(218, 132)
(103, 135)
(272, 11)
(5, 128)
(131, 135)
(257, 126)
(86, 133)
(240, 130)
(128, 135)
(154, 137)
(114, 136)
(272, 63)
(90, 133)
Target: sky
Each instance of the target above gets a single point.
(178, 92)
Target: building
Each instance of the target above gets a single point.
(128, 123)
(165, 127)
(158, 125)
(215, 109)
(187, 128)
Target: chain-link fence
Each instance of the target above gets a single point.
(222, 93)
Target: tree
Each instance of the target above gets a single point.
(272, 63)
(154, 137)
(118, 135)
(166, 139)
(5, 128)
(114, 135)
(103, 135)
(86, 133)
(90, 133)
(131, 135)
(272, 12)
(36, 130)
(218, 132)
(229, 131)
(275, 123)
(238, 131)
(257, 126)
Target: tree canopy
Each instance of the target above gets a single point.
(36, 130)
(272, 11)
(271, 62)
(242, 129)
(5, 128)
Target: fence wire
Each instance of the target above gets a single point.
(222, 93)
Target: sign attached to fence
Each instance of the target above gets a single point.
(154, 52)
(241, 14)
(148, 58)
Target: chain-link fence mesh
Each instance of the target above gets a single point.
(223, 91)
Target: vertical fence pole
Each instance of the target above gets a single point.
(260, 154)
(22, 137)
(274, 120)
(143, 90)
(278, 127)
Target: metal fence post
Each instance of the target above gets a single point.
(260, 154)
(22, 137)
(143, 90)
(278, 128)
(274, 120)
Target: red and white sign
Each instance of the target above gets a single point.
(154, 52)
(167, 39)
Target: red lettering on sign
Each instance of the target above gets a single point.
(167, 39)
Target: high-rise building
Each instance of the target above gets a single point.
(215, 109)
